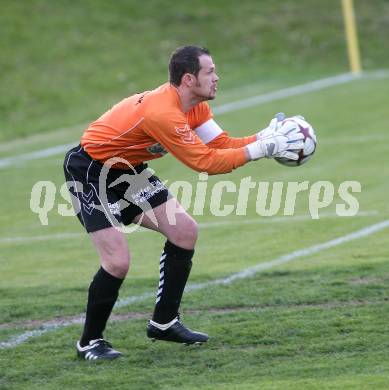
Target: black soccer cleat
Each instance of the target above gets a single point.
(97, 350)
(177, 333)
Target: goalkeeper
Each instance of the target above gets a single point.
(112, 187)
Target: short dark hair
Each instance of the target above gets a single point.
(185, 59)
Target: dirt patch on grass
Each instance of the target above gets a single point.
(365, 280)
(59, 321)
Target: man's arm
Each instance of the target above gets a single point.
(214, 137)
(274, 140)
(174, 133)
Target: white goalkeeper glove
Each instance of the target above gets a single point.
(269, 131)
(274, 125)
(282, 142)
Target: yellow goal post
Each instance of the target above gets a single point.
(351, 36)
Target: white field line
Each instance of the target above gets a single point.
(204, 225)
(246, 273)
(285, 93)
(21, 158)
(222, 109)
(297, 90)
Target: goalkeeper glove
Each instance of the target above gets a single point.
(274, 125)
(282, 142)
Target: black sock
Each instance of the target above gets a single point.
(103, 293)
(175, 265)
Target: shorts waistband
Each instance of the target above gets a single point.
(138, 168)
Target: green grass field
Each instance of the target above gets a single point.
(317, 321)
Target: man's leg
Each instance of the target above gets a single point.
(83, 179)
(103, 291)
(175, 266)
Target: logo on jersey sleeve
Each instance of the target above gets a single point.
(186, 134)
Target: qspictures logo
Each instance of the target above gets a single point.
(219, 198)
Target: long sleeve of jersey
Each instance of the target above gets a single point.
(175, 135)
(213, 135)
(224, 141)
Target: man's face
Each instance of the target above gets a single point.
(206, 85)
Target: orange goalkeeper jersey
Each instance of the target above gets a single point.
(145, 126)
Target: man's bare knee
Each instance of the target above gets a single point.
(185, 233)
(117, 268)
(174, 223)
(113, 251)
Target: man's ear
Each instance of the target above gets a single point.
(188, 79)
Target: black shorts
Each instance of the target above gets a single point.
(103, 197)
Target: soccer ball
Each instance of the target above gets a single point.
(309, 143)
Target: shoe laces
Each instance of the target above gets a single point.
(102, 343)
